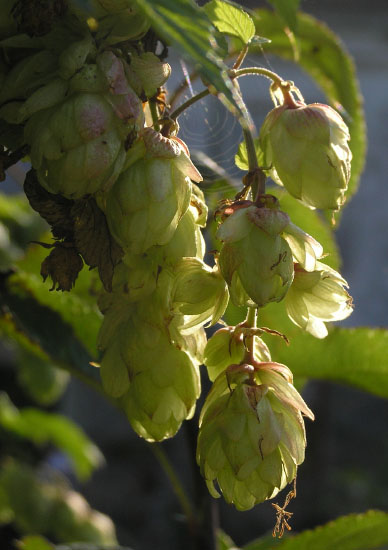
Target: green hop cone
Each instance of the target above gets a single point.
(78, 146)
(226, 347)
(200, 293)
(252, 435)
(164, 385)
(307, 149)
(317, 297)
(147, 202)
(255, 260)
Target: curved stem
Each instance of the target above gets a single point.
(188, 103)
(259, 71)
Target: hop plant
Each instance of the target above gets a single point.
(252, 435)
(255, 259)
(306, 147)
(317, 297)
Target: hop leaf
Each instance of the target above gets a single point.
(94, 241)
(62, 265)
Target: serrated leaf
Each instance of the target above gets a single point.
(41, 427)
(94, 241)
(352, 356)
(55, 209)
(325, 58)
(287, 9)
(354, 532)
(185, 25)
(241, 158)
(230, 19)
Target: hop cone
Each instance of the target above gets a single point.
(252, 435)
(147, 202)
(307, 148)
(255, 260)
(78, 146)
(317, 297)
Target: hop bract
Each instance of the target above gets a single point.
(252, 435)
(317, 297)
(147, 202)
(255, 260)
(307, 149)
(78, 146)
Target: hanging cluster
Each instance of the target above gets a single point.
(80, 91)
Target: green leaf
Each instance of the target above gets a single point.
(354, 532)
(224, 542)
(325, 58)
(241, 158)
(41, 427)
(187, 26)
(42, 330)
(353, 356)
(287, 9)
(264, 543)
(34, 542)
(230, 19)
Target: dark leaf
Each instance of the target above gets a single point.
(55, 209)
(287, 9)
(62, 265)
(94, 241)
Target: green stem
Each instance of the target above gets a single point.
(188, 103)
(154, 114)
(176, 485)
(241, 57)
(256, 70)
(250, 322)
(233, 74)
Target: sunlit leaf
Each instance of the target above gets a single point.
(354, 532)
(230, 19)
(186, 26)
(287, 9)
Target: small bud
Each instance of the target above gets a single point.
(317, 297)
(307, 149)
(255, 260)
